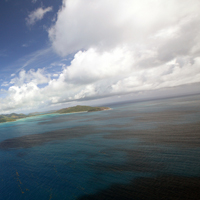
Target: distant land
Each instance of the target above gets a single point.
(75, 109)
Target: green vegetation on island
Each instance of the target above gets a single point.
(13, 116)
(81, 109)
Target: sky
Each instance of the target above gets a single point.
(62, 53)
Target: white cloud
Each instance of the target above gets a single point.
(102, 81)
(91, 66)
(4, 84)
(25, 45)
(37, 15)
(146, 34)
(38, 56)
(82, 24)
(37, 77)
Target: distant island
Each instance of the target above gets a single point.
(81, 109)
(75, 109)
(11, 117)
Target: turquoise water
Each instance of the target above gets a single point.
(72, 155)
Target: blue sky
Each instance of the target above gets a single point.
(19, 42)
(60, 53)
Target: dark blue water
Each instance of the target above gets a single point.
(73, 155)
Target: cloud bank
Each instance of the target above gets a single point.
(118, 47)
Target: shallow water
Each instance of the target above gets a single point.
(96, 155)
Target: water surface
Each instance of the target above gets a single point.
(145, 150)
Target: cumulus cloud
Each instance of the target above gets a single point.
(37, 15)
(104, 80)
(107, 24)
(118, 47)
(37, 77)
(129, 45)
(25, 91)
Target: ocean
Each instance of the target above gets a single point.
(141, 150)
